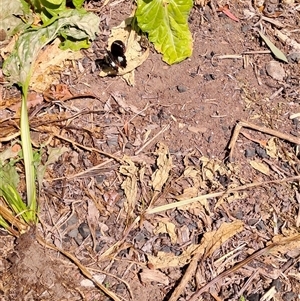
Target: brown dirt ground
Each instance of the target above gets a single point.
(200, 101)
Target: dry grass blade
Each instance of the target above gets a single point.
(14, 222)
(215, 194)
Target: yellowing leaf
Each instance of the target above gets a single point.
(263, 168)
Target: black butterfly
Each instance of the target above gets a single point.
(115, 57)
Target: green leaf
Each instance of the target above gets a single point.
(166, 22)
(78, 3)
(8, 174)
(277, 52)
(75, 45)
(17, 66)
(51, 3)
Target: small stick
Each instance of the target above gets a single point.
(151, 140)
(91, 149)
(190, 271)
(276, 93)
(257, 52)
(262, 129)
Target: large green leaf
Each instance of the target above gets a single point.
(166, 22)
(17, 67)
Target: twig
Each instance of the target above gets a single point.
(153, 138)
(91, 149)
(257, 52)
(186, 277)
(262, 129)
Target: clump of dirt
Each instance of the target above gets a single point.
(34, 273)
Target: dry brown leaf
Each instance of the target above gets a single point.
(92, 219)
(166, 227)
(188, 193)
(164, 163)
(214, 239)
(263, 168)
(209, 168)
(271, 148)
(148, 275)
(229, 199)
(209, 244)
(166, 260)
(129, 185)
(49, 64)
(289, 246)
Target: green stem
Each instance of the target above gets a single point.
(28, 156)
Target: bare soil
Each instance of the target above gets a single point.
(192, 108)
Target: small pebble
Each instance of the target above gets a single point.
(181, 88)
(166, 249)
(84, 230)
(261, 226)
(72, 220)
(261, 152)
(294, 57)
(253, 297)
(121, 288)
(250, 152)
(73, 233)
(209, 55)
(180, 219)
(289, 296)
(278, 284)
(275, 70)
(209, 77)
(238, 214)
(252, 221)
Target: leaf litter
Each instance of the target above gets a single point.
(193, 191)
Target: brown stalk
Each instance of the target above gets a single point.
(262, 129)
